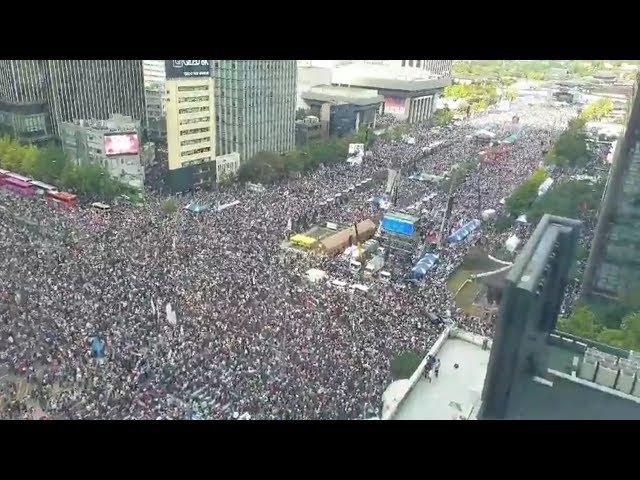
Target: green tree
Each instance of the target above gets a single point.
(570, 149)
(502, 224)
(49, 164)
(520, 200)
(443, 117)
(405, 364)
(614, 337)
(260, 168)
(11, 154)
(29, 161)
(631, 325)
(582, 322)
(170, 206)
(597, 110)
(631, 297)
(573, 199)
(627, 336)
(510, 94)
(328, 151)
(301, 113)
(364, 135)
(477, 95)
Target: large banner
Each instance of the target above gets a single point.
(227, 165)
(356, 149)
(356, 153)
(187, 68)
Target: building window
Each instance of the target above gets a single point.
(193, 109)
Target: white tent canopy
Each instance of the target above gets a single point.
(512, 243)
(315, 275)
(489, 213)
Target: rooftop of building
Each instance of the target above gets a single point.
(566, 396)
(456, 391)
(388, 77)
(561, 395)
(336, 94)
(116, 123)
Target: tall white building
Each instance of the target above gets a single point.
(255, 106)
(153, 71)
(191, 127)
(154, 92)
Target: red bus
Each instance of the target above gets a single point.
(3, 175)
(67, 200)
(18, 186)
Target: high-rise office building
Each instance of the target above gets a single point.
(154, 94)
(36, 95)
(24, 111)
(191, 132)
(154, 71)
(255, 106)
(613, 269)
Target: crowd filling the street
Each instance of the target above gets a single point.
(251, 337)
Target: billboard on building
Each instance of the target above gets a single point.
(395, 106)
(187, 68)
(121, 144)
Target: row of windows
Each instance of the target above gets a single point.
(194, 109)
(195, 141)
(196, 151)
(190, 131)
(204, 98)
(187, 121)
(188, 163)
(194, 88)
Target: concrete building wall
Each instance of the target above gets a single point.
(308, 77)
(84, 141)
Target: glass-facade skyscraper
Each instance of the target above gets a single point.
(255, 106)
(36, 95)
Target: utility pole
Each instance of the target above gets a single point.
(447, 211)
(479, 195)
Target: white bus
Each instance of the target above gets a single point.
(101, 207)
(42, 187)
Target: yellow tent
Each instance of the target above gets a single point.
(303, 241)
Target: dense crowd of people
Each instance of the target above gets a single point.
(251, 337)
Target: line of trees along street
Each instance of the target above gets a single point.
(269, 167)
(50, 164)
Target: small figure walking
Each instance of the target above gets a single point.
(427, 368)
(436, 367)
